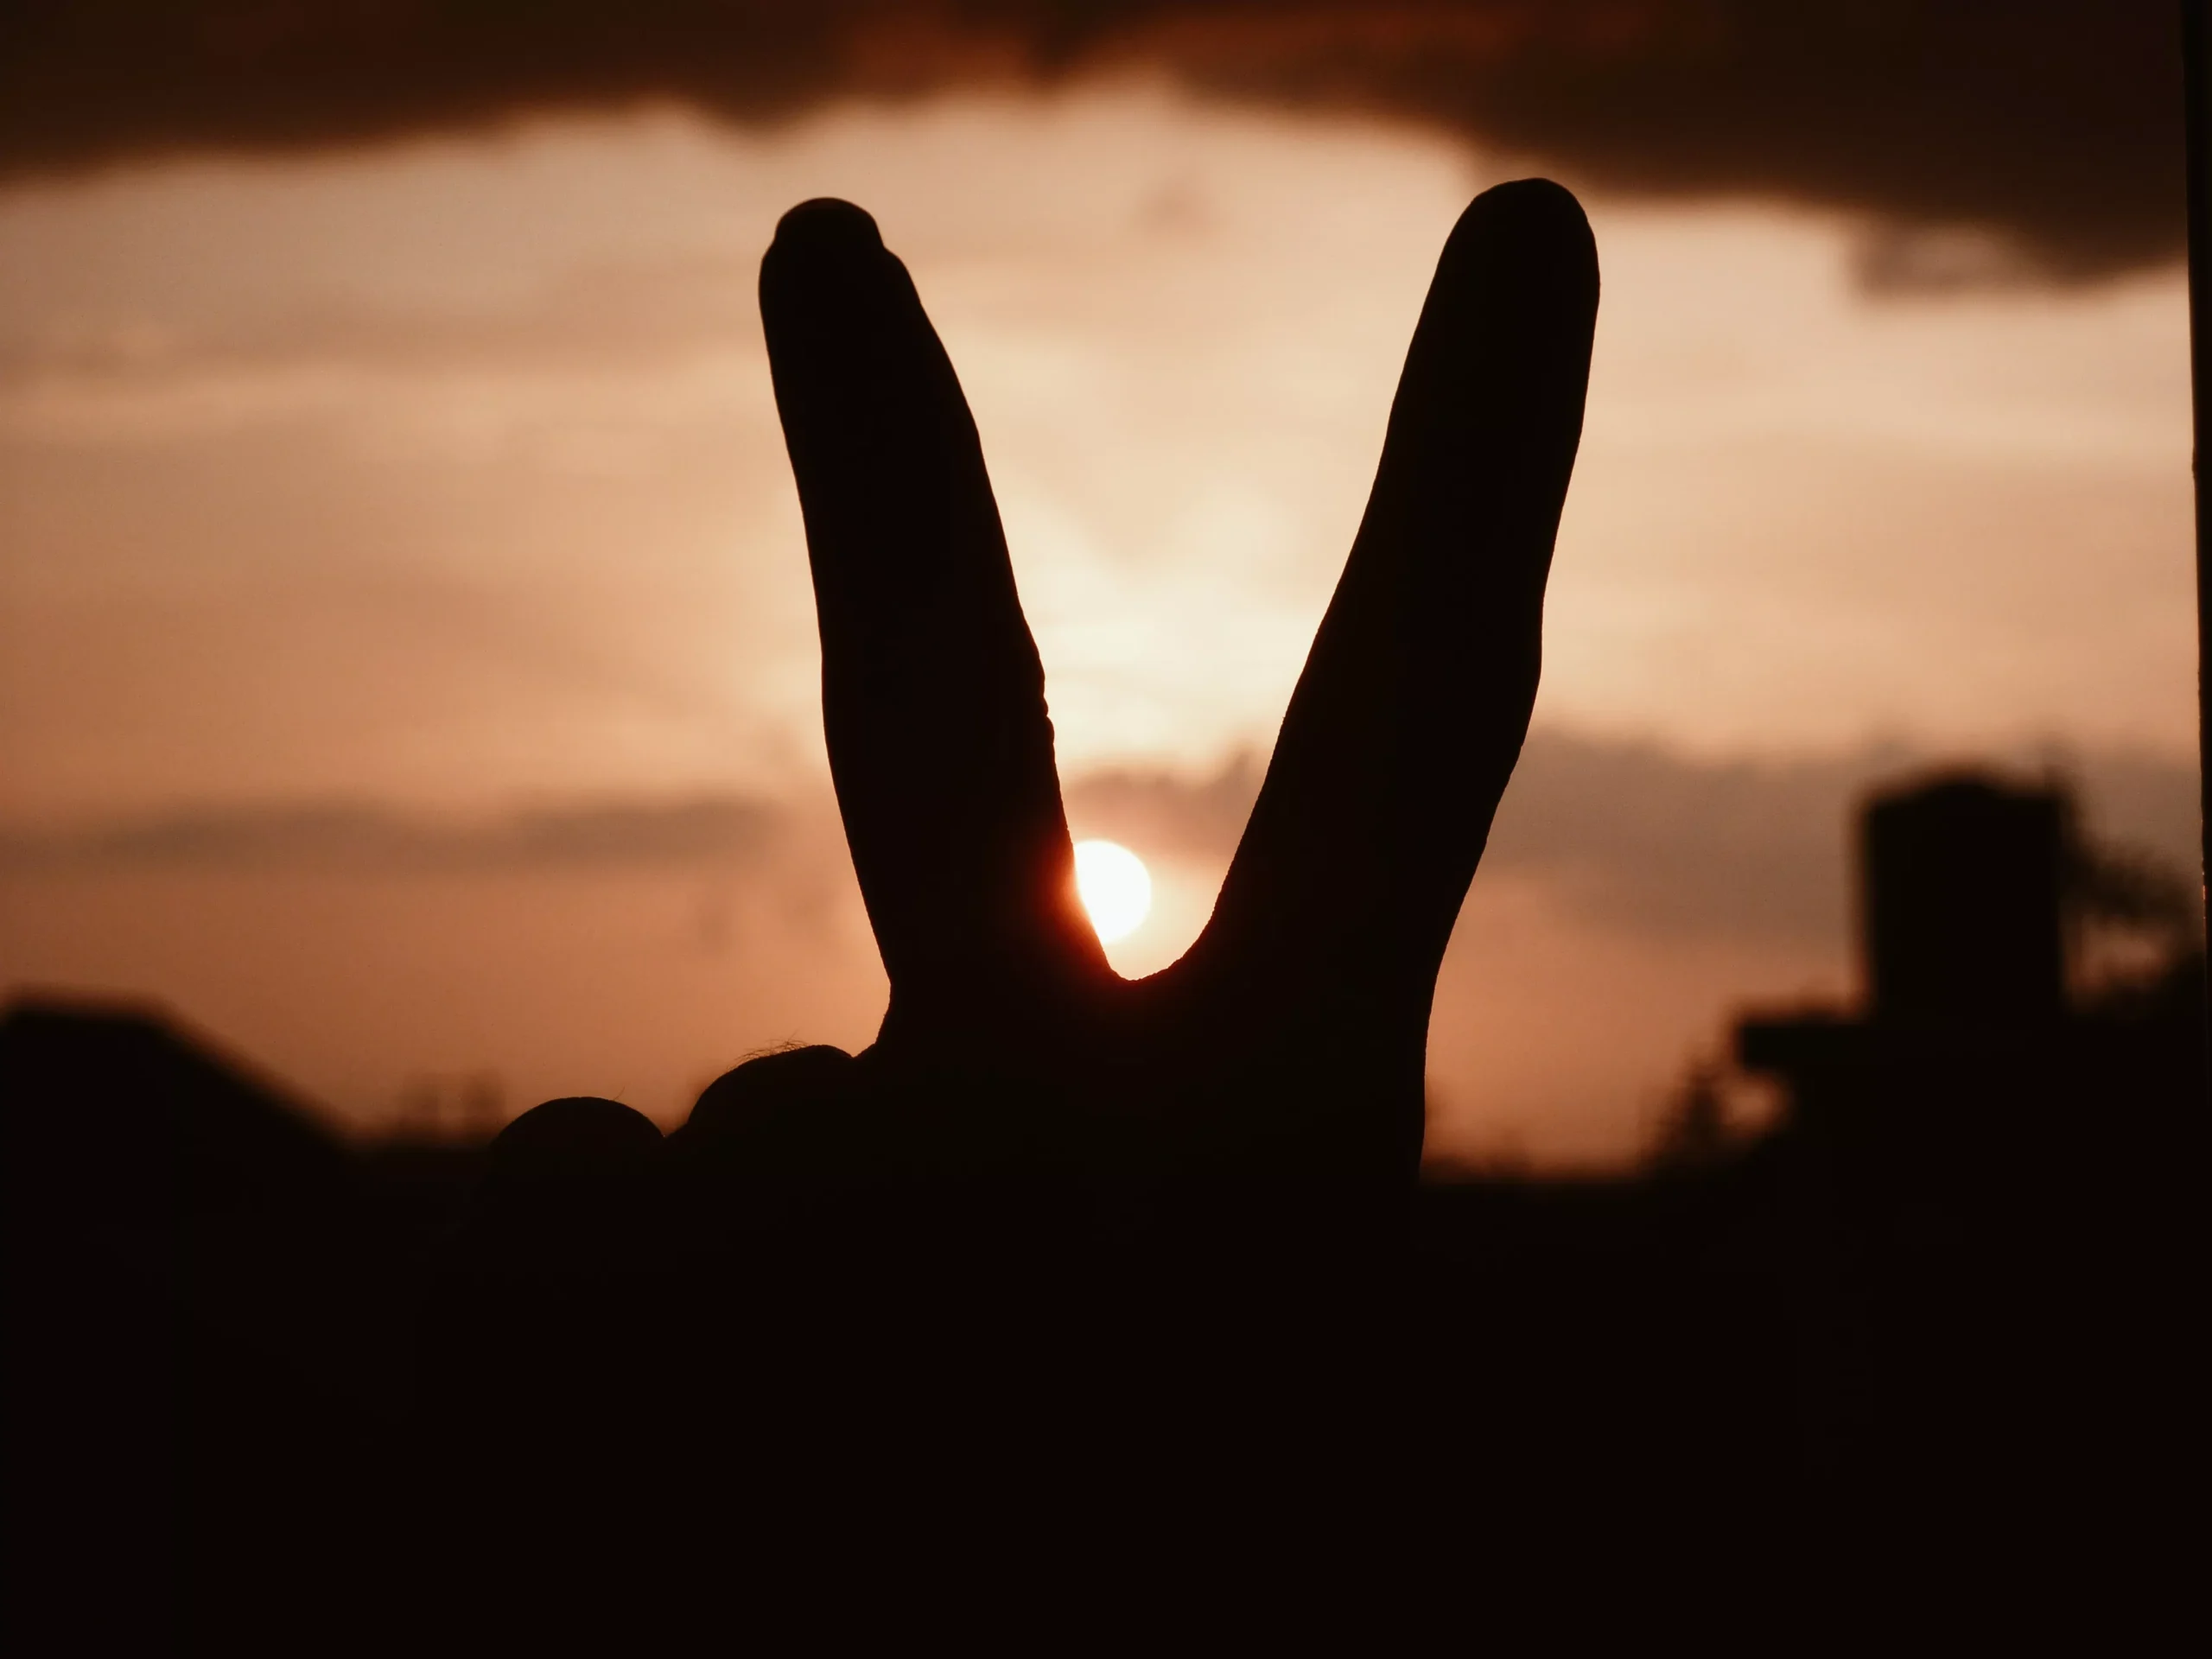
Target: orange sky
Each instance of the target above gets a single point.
(446, 475)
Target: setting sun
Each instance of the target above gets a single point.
(1117, 888)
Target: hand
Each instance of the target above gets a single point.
(1108, 1261)
(1286, 1049)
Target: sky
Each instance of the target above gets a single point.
(437, 482)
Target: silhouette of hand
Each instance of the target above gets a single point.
(1286, 1049)
(1064, 1269)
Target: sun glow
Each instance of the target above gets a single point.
(1115, 887)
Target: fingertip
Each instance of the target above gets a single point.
(1534, 218)
(828, 257)
(1533, 198)
(827, 225)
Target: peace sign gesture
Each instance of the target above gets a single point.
(1289, 1041)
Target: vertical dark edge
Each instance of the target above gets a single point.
(2196, 71)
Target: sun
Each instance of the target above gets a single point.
(1115, 887)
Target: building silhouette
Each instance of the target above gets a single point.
(1981, 1040)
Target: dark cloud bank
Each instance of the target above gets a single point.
(1980, 139)
(1629, 836)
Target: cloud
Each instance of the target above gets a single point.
(717, 830)
(1166, 811)
(1641, 839)
(1629, 837)
(1626, 835)
(1981, 140)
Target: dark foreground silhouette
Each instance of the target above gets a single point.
(1075, 1309)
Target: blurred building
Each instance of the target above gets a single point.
(1978, 1202)
(1981, 1027)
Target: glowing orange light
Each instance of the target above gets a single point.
(1115, 887)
